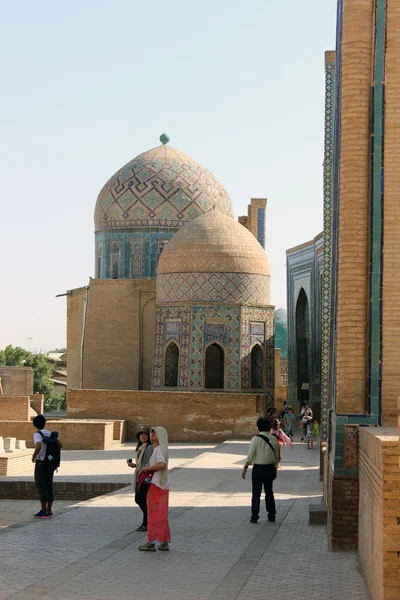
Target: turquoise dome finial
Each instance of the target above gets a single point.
(164, 139)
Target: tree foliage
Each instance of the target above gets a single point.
(42, 371)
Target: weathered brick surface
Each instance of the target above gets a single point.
(343, 513)
(379, 520)
(75, 435)
(63, 490)
(354, 207)
(187, 416)
(17, 381)
(14, 408)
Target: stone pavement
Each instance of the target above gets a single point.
(89, 552)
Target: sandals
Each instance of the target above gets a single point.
(141, 528)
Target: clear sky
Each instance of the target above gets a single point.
(89, 84)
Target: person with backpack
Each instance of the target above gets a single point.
(264, 456)
(46, 458)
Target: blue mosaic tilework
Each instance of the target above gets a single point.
(159, 188)
(261, 226)
(327, 251)
(200, 314)
(215, 332)
(139, 251)
(173, 330)
(164, 316)
(252, 318)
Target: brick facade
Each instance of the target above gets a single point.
(188, 416)
(14, 408)
(379, 519)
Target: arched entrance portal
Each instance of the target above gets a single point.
(302, 344)
(256, 367)
(171, 365)
(214, 367)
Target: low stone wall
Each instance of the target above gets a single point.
(14, 408)
(13, 463)
(188, 416)
(63, 490)
(74, 434)
(379, 517)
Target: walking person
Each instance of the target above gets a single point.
(158, 495)
(144, 450)
(46, 457)
(288, 423)
(309, 433)
(315, 430)
(264, 456)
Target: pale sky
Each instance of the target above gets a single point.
(87, 85)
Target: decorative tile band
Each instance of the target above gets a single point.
(237, 288)
(327, 250)
(261, 226)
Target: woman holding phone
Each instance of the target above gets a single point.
(144, 450)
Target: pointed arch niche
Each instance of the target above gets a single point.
(302, 342)
(171, 365)
(214, 367)
(256, 366)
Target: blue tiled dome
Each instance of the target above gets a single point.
(159, 188)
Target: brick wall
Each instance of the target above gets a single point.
(391, 273)
(187, 416)
(14, 408)
(354, 207)
(379, 520)
(119, 335)
(37, 403)
(341, 495)
(75, 435)
(17, 381)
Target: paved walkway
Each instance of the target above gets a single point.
(89, 552)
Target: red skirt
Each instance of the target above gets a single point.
(157, 514)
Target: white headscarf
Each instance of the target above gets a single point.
(162, 436)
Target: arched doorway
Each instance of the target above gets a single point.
(302, 344)
(256, 369)
(214, 367)
(171, 365)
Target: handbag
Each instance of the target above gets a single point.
(144, 477)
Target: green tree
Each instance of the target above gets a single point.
(13, 357)
(59, 350)
(42, 374)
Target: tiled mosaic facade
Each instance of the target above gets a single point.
(261, 226)
(159, 188)
(326, 274)
(254, 320)
(243, 288)
(236, 329)
(129, 253)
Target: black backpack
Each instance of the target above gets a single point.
(53, 452)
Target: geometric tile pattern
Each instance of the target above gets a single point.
(200, 315)
(327, 251)
(261, 226)
(173, 330)
(240, 288)
(215, 332)
(159, 188)
(138, 255)
(163, 319)
(252, 318)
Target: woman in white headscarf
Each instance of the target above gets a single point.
(158, 494)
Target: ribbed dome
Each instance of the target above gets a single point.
(214, 242)
(214, 258)
(159, 188)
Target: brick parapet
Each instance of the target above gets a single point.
(379, 516)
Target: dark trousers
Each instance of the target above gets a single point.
(44, 482)
(263, 475)
(141, 500)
